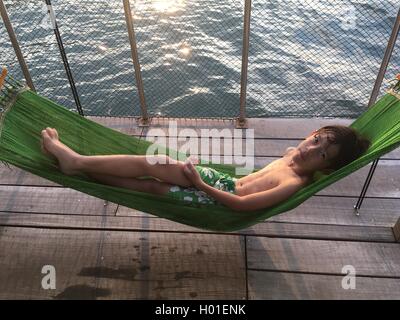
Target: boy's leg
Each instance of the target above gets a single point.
(124, 166)
(144, 185)
(132, 166)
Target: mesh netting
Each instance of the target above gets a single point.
(306, 58)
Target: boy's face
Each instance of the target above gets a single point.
(316, 152)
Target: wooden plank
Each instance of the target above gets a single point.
(194, 123)
(263, 127)
(17, 176)
(320, 256)
(327, 211)
(322, 231)
(153, 224)
(262, 146)
(274, 127)
(121, 265)
(272, 135)
(125, 125)
(277, 148)
(339, 211)
(385, 182)
(291, 128)
(52, 200)
(294, 286)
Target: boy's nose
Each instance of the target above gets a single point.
(311, 149)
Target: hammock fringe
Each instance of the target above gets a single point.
(9, 92)
(6, 164)
(394, 89)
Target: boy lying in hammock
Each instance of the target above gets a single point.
(325, 150)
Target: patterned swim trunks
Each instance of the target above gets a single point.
(212, 177)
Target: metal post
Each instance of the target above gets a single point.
(64, 57)
(374, 95)
(144, 121)
(241, 121)
(17, 49)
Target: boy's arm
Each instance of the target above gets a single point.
(226, 198)
(255, 201)
(250, 202)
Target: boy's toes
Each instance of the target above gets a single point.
(53, 133)
(50, 132)
(45, 133)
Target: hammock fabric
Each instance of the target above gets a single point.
(24, 114)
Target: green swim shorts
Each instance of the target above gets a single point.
(212, 177)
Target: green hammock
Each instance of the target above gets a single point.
(25, 114)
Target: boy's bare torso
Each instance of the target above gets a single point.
(268, 177)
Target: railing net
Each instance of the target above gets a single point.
(306, 58)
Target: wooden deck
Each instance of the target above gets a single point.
(101, 250)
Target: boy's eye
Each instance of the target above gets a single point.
(316, 139)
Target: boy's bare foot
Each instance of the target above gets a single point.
(52, 146)
(44, 150)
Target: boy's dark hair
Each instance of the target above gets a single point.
(351, 144)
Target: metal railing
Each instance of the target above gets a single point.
(372, 100)
(15, 44)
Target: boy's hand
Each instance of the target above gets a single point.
(192, 174)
